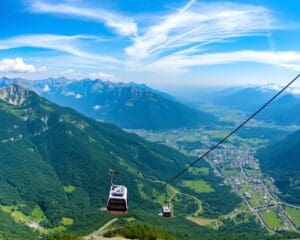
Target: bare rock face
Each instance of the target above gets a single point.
(14, 94)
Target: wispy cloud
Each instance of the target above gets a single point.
(177, 41)
(182, 60)
(62, 43)
(123, 25)
(197, 24)
(17, 65)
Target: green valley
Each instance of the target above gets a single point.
(238, 165)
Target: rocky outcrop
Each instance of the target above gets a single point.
(14, 94)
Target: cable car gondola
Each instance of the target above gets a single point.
(166, 211)
(117, 200)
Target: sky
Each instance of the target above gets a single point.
(160, 43)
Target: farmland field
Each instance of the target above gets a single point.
(199, 186)
(294, 215)
(271, 219)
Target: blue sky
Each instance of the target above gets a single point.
(157, 42)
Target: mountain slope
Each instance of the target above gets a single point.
(281, 160)
(54, 165)
(126, 105)
(44, 148)
(283, 111)
(247, 99)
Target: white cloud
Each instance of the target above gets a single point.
(121, 24)
(100, 75)
(69, 94)
(277, 87)
(78, 96)
(70, 71)
(197, 25)
(43, 69)
(167, 44)
(17, 65)
(295, 91)
(96, 107)
(72, 94)
(72, 74)
(62, 43)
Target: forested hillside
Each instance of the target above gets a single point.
(281, 160)
(54, 165)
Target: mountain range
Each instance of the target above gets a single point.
(130, 105)
(283, 111)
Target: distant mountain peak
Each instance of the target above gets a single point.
(128, 105)
(14, 94)
(277, 87)
(270, 87)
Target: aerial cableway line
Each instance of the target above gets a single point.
(229, 135)
(166, 210)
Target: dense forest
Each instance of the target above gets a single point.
(140, 231)
(281, 161)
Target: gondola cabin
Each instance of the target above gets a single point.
(166, 212)
(117, 201)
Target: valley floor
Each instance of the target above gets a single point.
(235, 162)
(258, 191)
